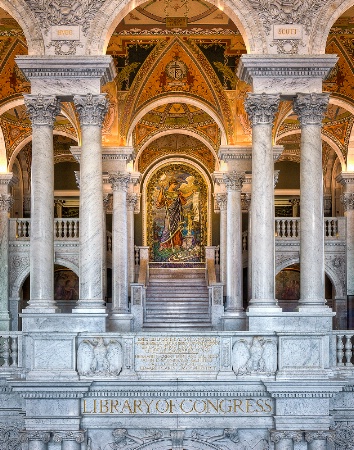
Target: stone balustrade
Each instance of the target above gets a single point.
(344, 348)
(10, 351)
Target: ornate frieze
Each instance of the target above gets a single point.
(6, 202)
(287, 12)
(119, 180)
(64, 12)
(91, 108)
(65, 48)
(311, 436)
(234, 180)
(42, 109)
(261, 108)
(348, 201)
(277, 436)
(221, 200)
(77, 436)
(311, 108)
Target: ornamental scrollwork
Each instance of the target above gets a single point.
(91, 108)
(64, 12)
(311, 108)
(42, 109)
(261, 108)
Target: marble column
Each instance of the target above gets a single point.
(6, 202)
(317, 440)
(132, 200)
(284, 440)
(119, 181)
(70, 440)
(221, 199)
(247, 206)
(42, 111)
(38, 440)
(347, 181)
(234, 274)
(91, 110)
(310, 109)
(261, 109)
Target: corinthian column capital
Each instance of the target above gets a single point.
(34, 435)
(277, 436)
(132, 200)
(311, 107)
(77, 436)
(42, 109)
(234, 180)
(119, 181)
(261, 108)
(311, 436)
(91, 108)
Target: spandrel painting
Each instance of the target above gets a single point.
(177, 214)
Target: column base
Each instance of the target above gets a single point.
(90, 307)
(234, 321)
(120, 322)
(41, 309)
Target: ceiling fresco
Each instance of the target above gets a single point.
(179, 145)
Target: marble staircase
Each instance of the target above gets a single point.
(177, 298)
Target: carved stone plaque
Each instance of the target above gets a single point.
(65, 33)
(292, 31)
(176, 354)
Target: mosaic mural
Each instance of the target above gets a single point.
(66, 285)
(287, 284)
(177, 214)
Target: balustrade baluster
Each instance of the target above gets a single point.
(348, 349)
(340, 352)
(5, 351)
(277, 227)
(14, 352)
(244, 242)
(77, 225)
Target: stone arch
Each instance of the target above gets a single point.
(22, 13)
(176, 131)
(239, 11)
(339, 288)
(326, 17)
(188, 444)
(155, 103)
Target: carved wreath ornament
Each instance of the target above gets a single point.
(99, 357)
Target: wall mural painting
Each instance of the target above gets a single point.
(66, 285)
(287, 284)
(177, 215)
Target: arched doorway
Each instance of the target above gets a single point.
(176, 213)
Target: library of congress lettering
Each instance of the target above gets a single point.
(177, 225)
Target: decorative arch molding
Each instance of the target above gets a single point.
(188, 162)
(21, 12)
(177, 131)
(188, 444)
(62, 261)
(326, 17)
(155, 103)
(335, 278)
(239, 11)
(325, 138)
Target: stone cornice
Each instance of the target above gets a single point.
(101, 67)
(8, 179)
(345, 178)
(273, 66)
(227, 153)
(108, 153)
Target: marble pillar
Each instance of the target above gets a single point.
(70, 440)
(261, 109)
(132, 199)
(42, 111)
(247, 206)
(234, 275)
(284, 440)
(91, 110)
(310, 109)
(317, 440)
(119, 181)
(6, 202)
(347, 181)
(221, 199)
(38, 440)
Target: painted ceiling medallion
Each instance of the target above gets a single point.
(176, 69)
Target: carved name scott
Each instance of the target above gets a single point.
(293, 31)
(200, 406)
(197, 354)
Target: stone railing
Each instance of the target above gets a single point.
(64, 229)
(344, 349)
(289, 227)
(10, 351)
